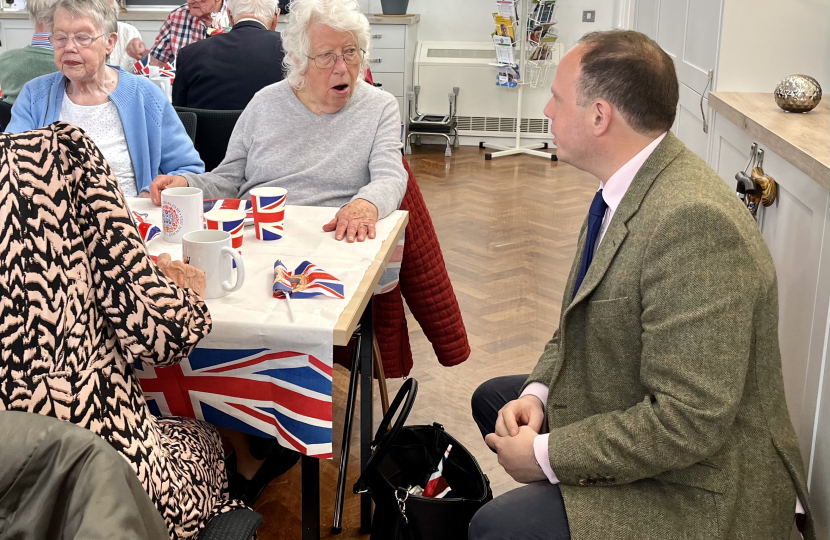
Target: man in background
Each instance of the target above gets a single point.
(188, 23)
(225, 71)
(19, 66)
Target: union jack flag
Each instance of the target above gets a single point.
(147, 230)
(283, 395)
(437, 486)
(231, 204)
(142, 67)
(307, 281)
(269, 213)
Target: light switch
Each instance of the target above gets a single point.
(589, 16)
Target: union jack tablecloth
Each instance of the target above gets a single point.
(257, 371)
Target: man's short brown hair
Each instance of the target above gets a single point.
(632, 73)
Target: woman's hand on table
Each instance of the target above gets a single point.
(144, 195)
(183, 275)
(356, 220)
(162, 182)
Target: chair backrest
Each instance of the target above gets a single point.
(213, 131)
(5, 115)
(189, 120)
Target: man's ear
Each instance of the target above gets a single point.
(275, 20)
(601, 116)
(230, 19)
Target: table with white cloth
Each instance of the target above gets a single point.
(259, 371)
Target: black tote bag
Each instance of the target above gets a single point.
(405, 456)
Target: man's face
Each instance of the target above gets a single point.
(569, 123)
(203, 8)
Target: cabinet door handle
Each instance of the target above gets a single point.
(702, 94)
(377, 36)
(375, 60)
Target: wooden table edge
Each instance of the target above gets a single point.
(350, 316)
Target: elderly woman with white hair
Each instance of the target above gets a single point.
(323, 133)
(128, 117)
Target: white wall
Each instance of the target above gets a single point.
(472, 20)
(763, 41)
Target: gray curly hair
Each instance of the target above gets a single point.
(341, 15)
(101, 13)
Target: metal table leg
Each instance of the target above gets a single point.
(366, 341)
(337, 528)
(311, 498)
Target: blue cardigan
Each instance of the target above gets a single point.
(156, 139)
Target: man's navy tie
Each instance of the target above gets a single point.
(595, 216)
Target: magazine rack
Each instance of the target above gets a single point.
(532, 72)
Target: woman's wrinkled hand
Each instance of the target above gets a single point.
(162, 182)
(356, 220)
(183, 275)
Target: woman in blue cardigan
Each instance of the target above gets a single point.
(128, 117)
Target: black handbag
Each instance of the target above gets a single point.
(406, 456)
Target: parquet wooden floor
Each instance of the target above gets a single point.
(508, 230)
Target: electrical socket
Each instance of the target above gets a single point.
(589, 16)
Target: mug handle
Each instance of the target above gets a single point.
(240, 270)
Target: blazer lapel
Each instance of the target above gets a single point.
(617, 230)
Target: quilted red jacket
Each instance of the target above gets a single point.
(428, 294)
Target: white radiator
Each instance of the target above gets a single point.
(484, 109)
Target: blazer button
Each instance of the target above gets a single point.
(610, 479)
(582, 482)
(592, 481)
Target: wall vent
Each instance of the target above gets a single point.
(502, 125)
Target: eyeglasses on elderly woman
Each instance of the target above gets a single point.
(60, 40)
(350, 56)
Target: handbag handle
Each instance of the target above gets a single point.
(409, 390)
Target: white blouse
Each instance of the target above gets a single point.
(103, 125)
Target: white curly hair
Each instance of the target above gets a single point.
(341, 15)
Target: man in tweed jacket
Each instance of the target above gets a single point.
(657, 410)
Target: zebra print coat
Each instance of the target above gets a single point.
(80, 302)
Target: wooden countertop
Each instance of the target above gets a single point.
(161, 14)
(803, 139)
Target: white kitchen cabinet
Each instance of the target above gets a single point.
(688, 32)
(15, 34)
(796, 229)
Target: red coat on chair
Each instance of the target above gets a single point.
(425, 284)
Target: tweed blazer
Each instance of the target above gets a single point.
(666, 405)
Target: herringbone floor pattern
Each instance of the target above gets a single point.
(508, 230)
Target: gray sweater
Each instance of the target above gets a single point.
(325, 160)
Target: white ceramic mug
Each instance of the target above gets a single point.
(164, 84)
(212, 253)
(181, 212)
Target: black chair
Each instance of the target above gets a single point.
(189, 120)
(213, 132)
(5, 115)
(238, 524)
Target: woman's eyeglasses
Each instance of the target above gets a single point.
(350, 56)
(60, 40)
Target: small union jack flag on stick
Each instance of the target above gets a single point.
(147, 230)
(307, 281)
(437, 486)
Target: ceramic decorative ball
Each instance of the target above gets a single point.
(798, 93)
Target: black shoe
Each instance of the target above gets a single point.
(277, 464)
